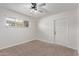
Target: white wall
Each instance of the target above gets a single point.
(40, 29)
(14, 36)
(45, 32)
(78, 28)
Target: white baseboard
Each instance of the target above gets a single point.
(14, 44)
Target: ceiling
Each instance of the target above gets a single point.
(49, 8)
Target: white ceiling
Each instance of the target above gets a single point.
(50, 8)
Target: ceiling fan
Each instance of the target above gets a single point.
(38, 7)
(34, 6)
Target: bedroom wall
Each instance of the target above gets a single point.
(78, 28)
(14, 36)
(40, 29)
(45, 32)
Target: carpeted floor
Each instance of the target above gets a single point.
(38, 48)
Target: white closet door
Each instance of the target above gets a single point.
(61, 32)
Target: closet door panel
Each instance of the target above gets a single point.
(62, 32)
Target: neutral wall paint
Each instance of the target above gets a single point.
(78, 29)
(13, 36)
(45, 31)
(39, 29)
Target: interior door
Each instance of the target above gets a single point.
(61, 28)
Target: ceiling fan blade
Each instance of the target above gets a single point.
(42, 10)
(41, 4)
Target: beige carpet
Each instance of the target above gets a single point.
(38, 48)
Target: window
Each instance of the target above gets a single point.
(16, 23)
